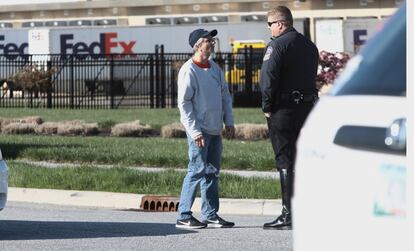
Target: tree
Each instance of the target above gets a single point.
(33, 80)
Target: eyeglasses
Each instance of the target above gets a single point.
(270, 23)
(210, 40)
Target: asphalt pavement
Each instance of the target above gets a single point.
(32, 226)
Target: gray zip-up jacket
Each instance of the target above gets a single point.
(203, 99)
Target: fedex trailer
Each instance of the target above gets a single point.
(334, 35)
(338, 35)
(140, 39)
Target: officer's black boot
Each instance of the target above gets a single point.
(284, 221)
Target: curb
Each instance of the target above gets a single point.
(128, 201)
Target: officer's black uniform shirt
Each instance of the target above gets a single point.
(290, 63)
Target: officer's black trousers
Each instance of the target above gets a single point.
(284, 127)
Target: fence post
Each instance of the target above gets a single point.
(151, 81)
(248, 72)
(49, 86)
(163, 82)
(173, 82)
(72, 82)
(11, 89)
(31, 91)
(157, 77)
(111, 81)
(230, 73)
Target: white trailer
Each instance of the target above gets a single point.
(139, 39)
(13, 42)
(358, 31)
(337, 35)
(333, 35)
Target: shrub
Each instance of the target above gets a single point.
(330, 65)
(48, 128)
(19, 128)
(74, 127)
(33, 78)
(35, 120)
(174, 130)
(70, 129)
(251, 131)
(4, 122)
(31, 120)
(132, 129)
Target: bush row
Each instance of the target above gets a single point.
(36, 125)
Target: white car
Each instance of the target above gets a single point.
(351, 166)
(4, 176)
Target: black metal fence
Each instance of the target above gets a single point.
(115, 81)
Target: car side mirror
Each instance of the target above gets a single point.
(396, 135)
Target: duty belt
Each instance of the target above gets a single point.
(299, 97)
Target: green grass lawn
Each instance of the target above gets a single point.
(122, 152)
(132, 181)
(155, 151)
(155, 117)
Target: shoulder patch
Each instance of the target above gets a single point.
(268, 53)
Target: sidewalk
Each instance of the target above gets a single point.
(127, 201)
(242, 173)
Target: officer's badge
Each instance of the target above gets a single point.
(268, 53)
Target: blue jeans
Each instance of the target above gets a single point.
(203, 170)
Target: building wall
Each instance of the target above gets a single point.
(122, 9)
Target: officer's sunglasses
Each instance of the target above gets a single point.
(269, 24)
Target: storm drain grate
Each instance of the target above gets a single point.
(159, 203)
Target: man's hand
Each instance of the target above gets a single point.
(267, 114)
(199, 140)
(229, 132)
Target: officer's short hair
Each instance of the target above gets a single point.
(282, 13)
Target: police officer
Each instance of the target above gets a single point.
(289, 92)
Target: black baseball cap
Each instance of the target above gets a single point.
(195, 35)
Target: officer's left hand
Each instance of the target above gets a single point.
(229, 132)
(267, 114)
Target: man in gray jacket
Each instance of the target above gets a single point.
(205, 103)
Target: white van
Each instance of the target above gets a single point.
(351, 183)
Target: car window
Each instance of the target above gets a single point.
(381, 67)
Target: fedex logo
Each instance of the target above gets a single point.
(360, 37)
(107, 44)
(12, 50)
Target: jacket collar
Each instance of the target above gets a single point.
(284, 32)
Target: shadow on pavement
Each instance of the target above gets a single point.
(40, 230)
(248, 226)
